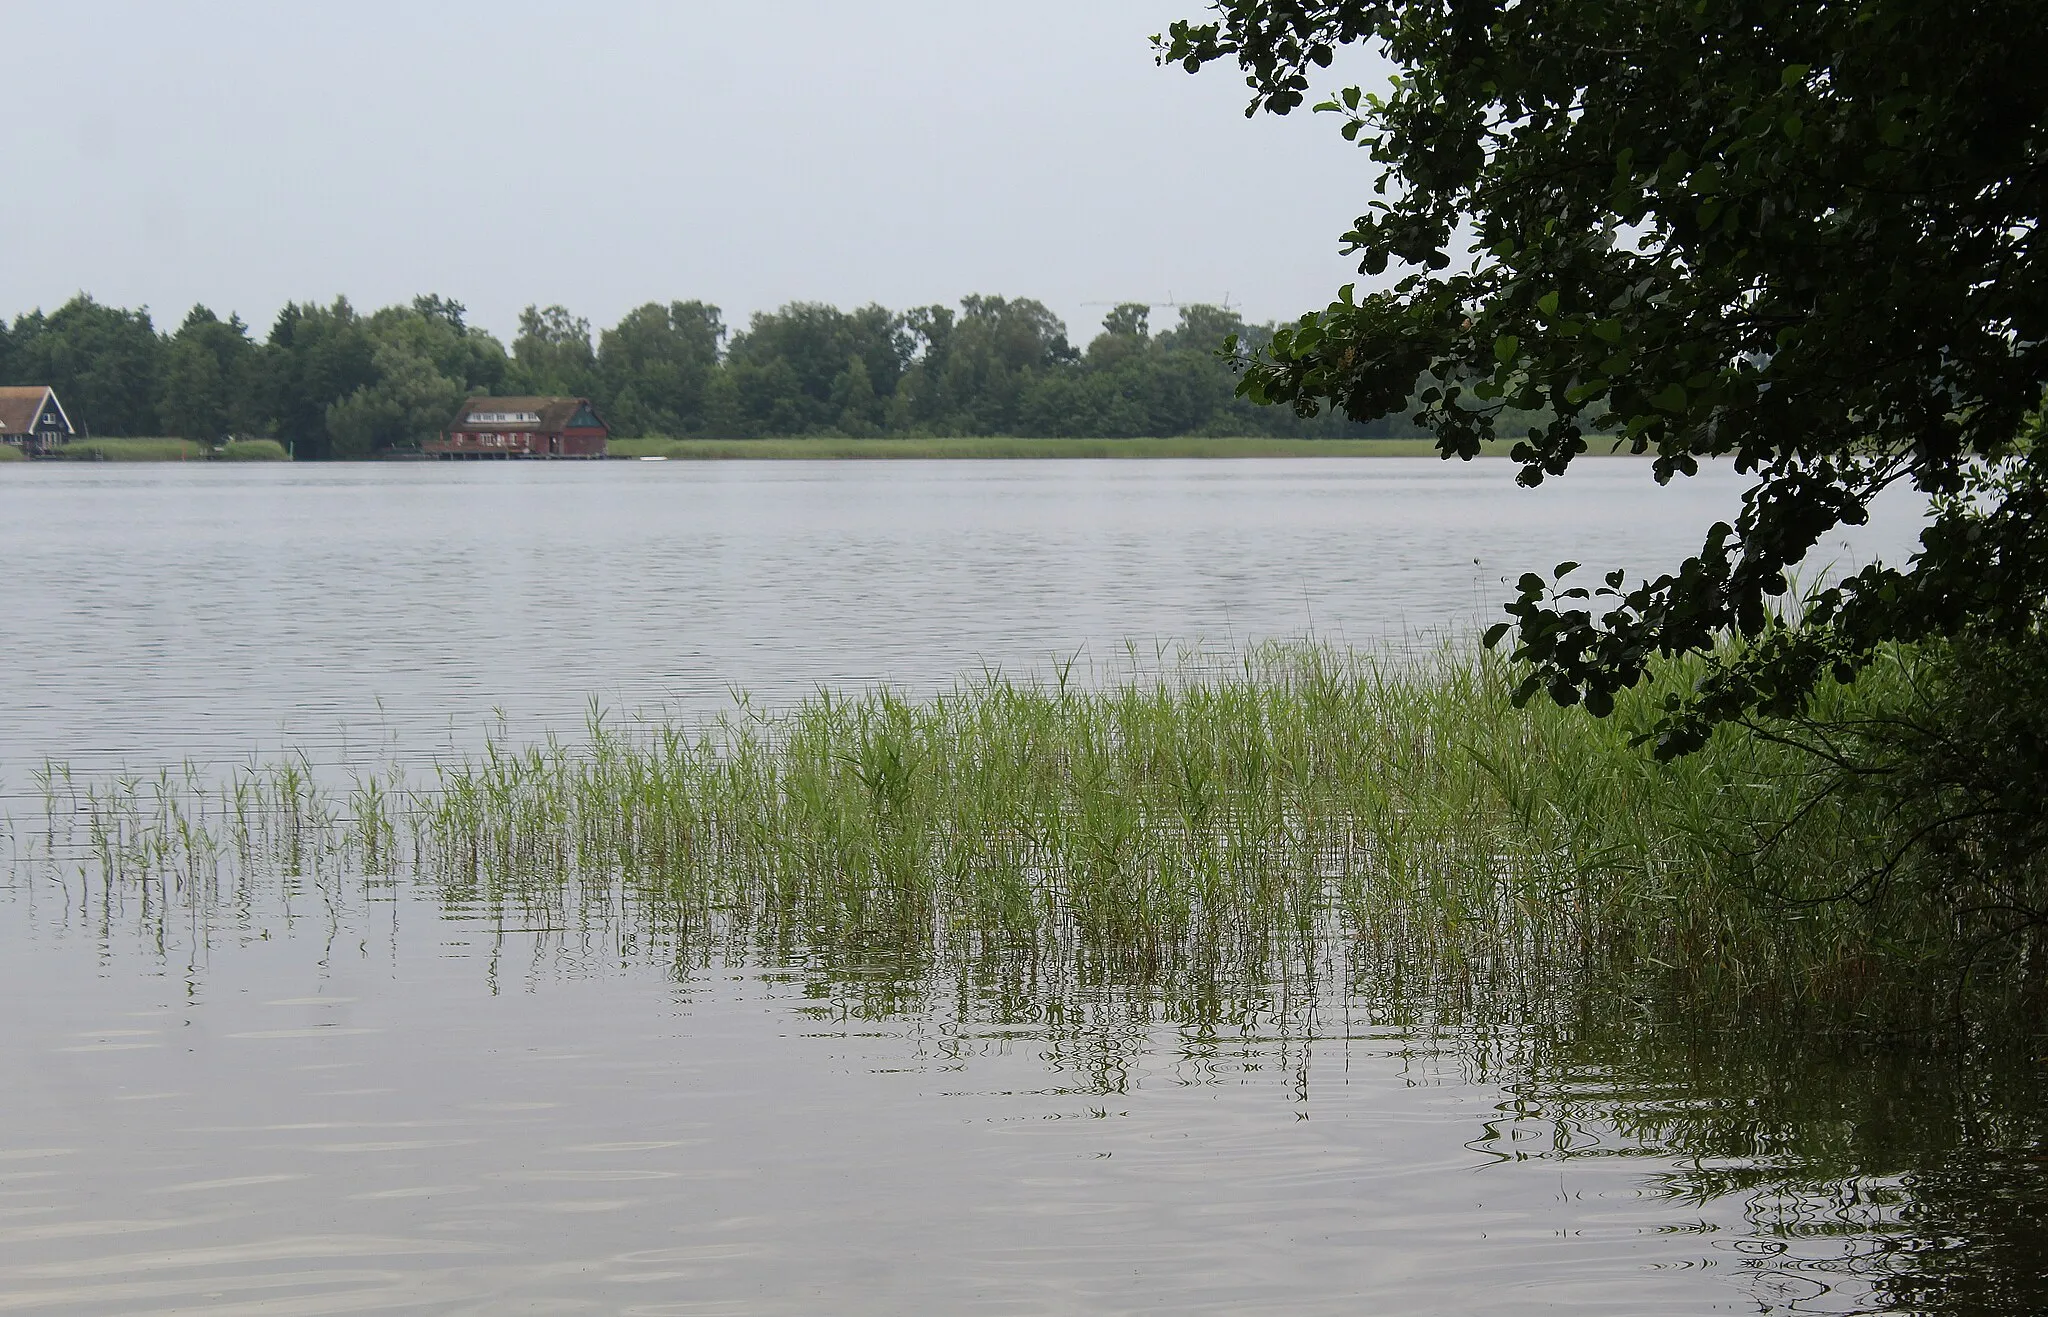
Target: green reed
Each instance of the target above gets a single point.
(1185, 824)
(983, 446)
(1642, 955)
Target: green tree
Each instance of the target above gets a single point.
(318, 356)
(655, 368)
(209, 382)
(861, 409)
(424, 362)
(1132, 382)
(472, 357)
(1126, 333)
(806, 367)
(1203, 328)
(1802, 236)
(433, 306)
(972, 370)
(408, 403)
(192, 393)
(552, 355)
(102, 361)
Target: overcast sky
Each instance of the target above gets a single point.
(611, 152)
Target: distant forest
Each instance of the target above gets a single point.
(335, 383)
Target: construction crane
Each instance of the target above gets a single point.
(1225, 304)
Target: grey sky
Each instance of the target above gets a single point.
(604, 154)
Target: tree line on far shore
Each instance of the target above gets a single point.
(332, 382)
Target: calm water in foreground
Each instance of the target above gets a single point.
(351, 1095)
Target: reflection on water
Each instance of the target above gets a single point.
(344, 1094)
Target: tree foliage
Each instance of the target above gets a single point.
(811, 367)
(424, 361)
(102, 361)
(334, 383)
(1799, 235)
(208, 384)
(317, 356)
(553, 356)
(657, 370)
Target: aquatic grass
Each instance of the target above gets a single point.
(1197, 871)
(140, 449)
(1007, 448)
(998, 447)
(1206, 821)
(167, 449)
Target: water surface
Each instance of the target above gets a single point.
(359, 1095)
(214, 611)
(351, 1093)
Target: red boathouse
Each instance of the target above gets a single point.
(523, 427)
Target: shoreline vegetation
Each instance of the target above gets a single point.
(971, 447)
(1212, 820)
(818, 448)
(330, 382)
(164, 449)
(1192, 874)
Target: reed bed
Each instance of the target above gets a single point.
(1194, 826)
(998, 447)
(1640, 953)
(137, 449)
(166, 449)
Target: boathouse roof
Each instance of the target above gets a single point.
(526, 414)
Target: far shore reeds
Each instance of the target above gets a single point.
(817, 448)
(1001, 448)
(165, 449)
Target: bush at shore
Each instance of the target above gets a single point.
(252, 450)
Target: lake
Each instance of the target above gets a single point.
(331, 1092)
(207, 613)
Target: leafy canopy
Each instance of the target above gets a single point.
(1801, 234)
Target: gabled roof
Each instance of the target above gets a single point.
(554, 413)
(20, 405)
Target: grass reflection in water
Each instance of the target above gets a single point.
(1304, 844)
